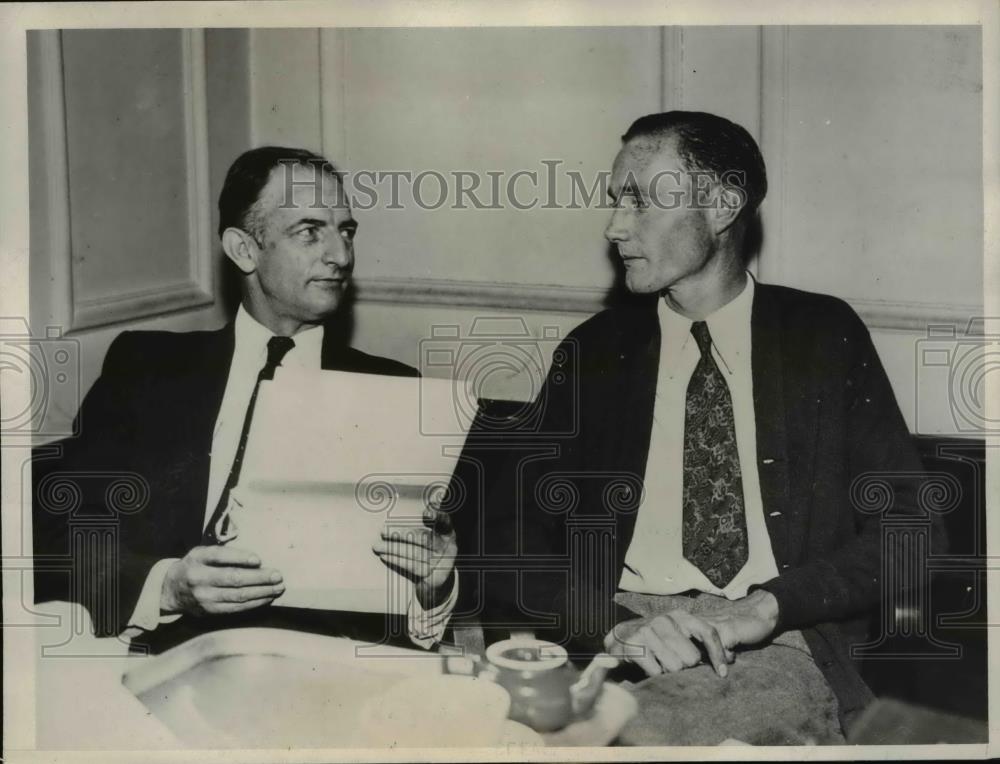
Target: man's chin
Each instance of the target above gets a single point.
(326, 309)
(637, 284)
(327, 299)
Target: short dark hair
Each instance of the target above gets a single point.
(709, 142)
(247, 177)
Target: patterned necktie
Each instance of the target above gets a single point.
(715, 528)
(277, 348)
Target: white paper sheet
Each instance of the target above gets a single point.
(331, 458)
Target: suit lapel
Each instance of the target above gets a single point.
(769, 389)
(332, 350)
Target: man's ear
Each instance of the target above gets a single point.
(241, 248)
(726, 207)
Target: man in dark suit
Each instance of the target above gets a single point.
(172, 410)
(711, 437)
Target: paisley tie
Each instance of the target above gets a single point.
(715, 529)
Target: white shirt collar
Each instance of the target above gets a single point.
(252, 338)
(728, 325)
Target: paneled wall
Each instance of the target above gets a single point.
(131, 132)
(872, 138)
(883, 128)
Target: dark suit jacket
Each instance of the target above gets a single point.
(825, 418)
(148, 420)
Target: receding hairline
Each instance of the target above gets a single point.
(648, 146)
(256, 213)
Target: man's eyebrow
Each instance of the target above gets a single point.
(318, 222)
(629, 188)
(352, 223)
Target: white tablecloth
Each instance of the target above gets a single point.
(79, 698)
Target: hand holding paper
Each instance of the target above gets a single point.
(218, 579)
(345, 486)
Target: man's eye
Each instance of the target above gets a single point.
(348, 233)
(308, 235)
(631, 201)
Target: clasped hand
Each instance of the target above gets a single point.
(669, 643)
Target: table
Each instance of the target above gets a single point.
(80, 701)
(229, 689)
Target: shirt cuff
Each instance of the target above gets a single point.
(426, 627)
(146, 615)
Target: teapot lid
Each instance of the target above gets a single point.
(526, 654)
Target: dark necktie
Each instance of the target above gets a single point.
(715, 528)
(277, 348)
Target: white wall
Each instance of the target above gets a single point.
(877, 192)
(872, 138)
(132, 132)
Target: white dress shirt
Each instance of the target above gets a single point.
(654, 562)
(249, 356)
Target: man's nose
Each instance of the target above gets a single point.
(339, 252)
(616, 230)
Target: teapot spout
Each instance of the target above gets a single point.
(585, 690)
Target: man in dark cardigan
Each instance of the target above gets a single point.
(711, 440)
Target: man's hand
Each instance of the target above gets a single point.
(746, 621)
(218, 579)
(424, 555)
(669, 643)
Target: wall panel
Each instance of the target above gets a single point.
(482, 101)
(871, 137)
(131, 133)
(881, 154)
